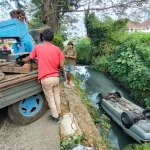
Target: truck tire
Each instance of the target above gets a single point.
(28, 110)
(119, 94)
(127, 119)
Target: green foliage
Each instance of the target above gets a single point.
(35, 22)
(84, 51)
(130, 65)
(69, 143)
(58, 41)
(137, 147)
(101, 63)
(106, 35)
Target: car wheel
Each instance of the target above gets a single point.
(99, 97)
(146, 112)
(127, 119)
(119, 94)
(28, 110)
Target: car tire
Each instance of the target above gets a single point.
(99, 98)
(119, 94)
(127, 119)
(28, 110)
(146, 112)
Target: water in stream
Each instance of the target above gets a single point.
(95, 82)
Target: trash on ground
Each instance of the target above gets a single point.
(69, 125)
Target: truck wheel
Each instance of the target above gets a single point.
(127, 119)
(146, 112)
(119, 94)
(28, 110)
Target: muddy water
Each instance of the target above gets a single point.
(95, 82)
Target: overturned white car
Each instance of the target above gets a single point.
(134, 120)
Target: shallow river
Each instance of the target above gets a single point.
(95, 82)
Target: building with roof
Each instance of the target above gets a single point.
(143, 27)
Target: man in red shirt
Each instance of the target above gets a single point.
(50, 57)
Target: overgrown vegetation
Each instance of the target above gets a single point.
(130, 66)
(137, 147)
(72, 142)
(84, 49)
(104, 36)
(101, 63)
(111, 49)
(58, 41)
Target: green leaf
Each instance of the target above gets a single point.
(119, 60)
(123, 61)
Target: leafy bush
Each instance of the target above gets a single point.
(84, 51)
(70, 143)
(58, 41)
(101, 63)
(105, 35)
(130, 65)
(137, 147)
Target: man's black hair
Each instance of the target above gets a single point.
(48, 35)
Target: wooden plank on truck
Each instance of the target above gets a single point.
(18, 80)
(13, 69)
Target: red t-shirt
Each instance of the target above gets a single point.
(49, 57)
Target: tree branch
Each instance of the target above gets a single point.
(98, 9)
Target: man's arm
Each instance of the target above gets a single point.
(31, 56)
(61, 64)
(74, 55)
(61, 59)
(26, 59)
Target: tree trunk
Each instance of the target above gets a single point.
(50, 11)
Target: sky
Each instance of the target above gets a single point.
(4, 15)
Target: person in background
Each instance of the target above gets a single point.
(70, 61)
(4, 47)
(50, 58)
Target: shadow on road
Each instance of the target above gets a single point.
(3, 115)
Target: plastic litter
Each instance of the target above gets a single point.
(81, 147)
(69, 126)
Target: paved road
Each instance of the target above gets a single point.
(39, 135)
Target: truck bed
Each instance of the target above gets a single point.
(12, 79)
(16, 87)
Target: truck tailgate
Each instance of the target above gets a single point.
(18, 87)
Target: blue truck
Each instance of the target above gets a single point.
(19, 88)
